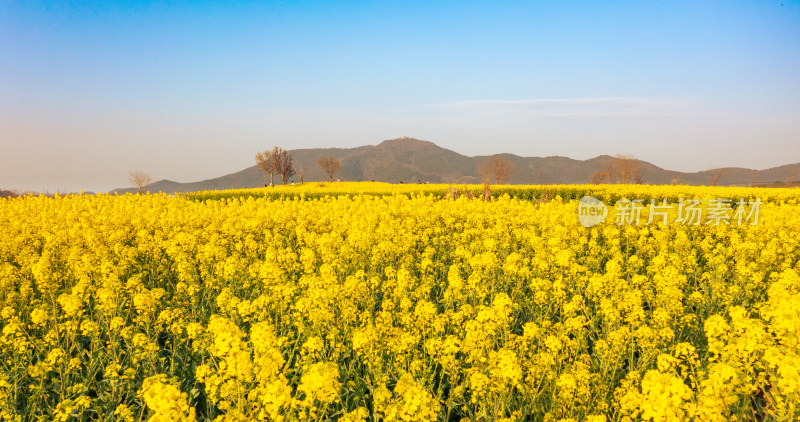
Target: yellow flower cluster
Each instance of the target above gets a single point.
(166, 401)
(369, 302)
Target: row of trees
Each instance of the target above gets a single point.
(279, 161)
(624, 169)
(627, 169)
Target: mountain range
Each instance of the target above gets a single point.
(410, 160)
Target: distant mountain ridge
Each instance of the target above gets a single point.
(410, 160)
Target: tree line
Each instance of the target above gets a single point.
(624, 169)
(280, 161)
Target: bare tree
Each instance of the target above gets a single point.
(626, 169)
(284, 164)
(276, 161)
(502, 168)
(264, 161)
(329, 165)
(486, 180)
(714, 175)
(485, 173)
(498, 167)
(600, 177)
(139, 179)
(302, 171)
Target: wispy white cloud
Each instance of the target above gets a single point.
(575, 108)
(545, 102)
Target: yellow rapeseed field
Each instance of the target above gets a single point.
(333, 303)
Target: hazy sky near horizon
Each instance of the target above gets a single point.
(191, 90)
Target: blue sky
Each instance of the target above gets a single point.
(191, 90)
